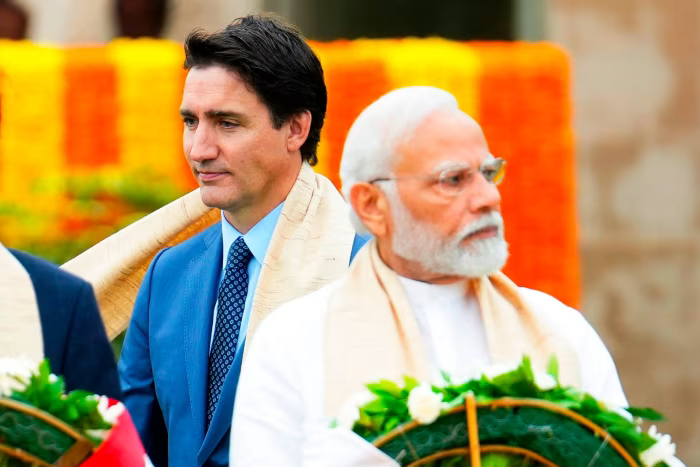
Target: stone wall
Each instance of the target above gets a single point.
(637, 116)
(93, 21)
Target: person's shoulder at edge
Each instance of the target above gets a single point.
(600, 377)
(566, 319)
(39, 268)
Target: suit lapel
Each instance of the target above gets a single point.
(221, 421)
(201, 287)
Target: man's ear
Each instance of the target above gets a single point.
(371, 207)
(299, 126)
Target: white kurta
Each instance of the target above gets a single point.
(279, 413)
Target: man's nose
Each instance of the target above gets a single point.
(203, 145)
(484, 196)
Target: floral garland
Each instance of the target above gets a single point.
(90, 415)
(386, 406)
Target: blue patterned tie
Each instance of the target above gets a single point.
(232, 294)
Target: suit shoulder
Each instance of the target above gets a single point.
(46, 275)
(191, 247)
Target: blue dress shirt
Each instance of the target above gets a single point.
(258, 239)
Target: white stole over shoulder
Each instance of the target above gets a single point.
(20, 323)
(310, 247)
(371, 332)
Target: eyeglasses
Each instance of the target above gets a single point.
(454, 180)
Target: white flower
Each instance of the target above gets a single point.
(110, 414)
(97, 434)
(662, 451)
(424, 405)
(350, 410)
(545, 381)
(14, 374)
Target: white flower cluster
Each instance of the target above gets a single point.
(14, 374)
(109, 414)
(662, 451)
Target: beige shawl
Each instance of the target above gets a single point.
(310, 247)
(20, 324)
(372, 334)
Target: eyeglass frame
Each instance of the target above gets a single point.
(438, 176)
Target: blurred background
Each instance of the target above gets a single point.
(636, 112)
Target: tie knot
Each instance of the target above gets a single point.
(239, 254)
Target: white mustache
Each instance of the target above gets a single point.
(492, 219)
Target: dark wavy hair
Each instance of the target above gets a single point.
(272, 58)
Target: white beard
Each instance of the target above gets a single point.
(417, 241)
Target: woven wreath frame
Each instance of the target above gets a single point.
(39, 439)
(539, 430)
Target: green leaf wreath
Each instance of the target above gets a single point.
(389, 405)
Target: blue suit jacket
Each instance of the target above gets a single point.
(163, 365)
(75, 341)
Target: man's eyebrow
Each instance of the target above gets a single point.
(448, 165)
(214, 113)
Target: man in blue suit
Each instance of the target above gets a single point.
(75, 342)
(253, 106)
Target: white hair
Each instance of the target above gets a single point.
(376, 133)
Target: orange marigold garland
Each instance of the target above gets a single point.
(525, 114)
(353, 83)
(91, 116)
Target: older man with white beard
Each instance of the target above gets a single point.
(424, 296)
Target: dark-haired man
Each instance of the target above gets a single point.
(253, 107)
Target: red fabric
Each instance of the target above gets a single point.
(122, 448)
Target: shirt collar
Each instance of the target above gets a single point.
(258, 238)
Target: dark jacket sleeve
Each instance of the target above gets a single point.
(89, 360)
(75, 341)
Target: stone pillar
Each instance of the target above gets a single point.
(69, 21)
(637, 115)
(93, 21)
(186, 15)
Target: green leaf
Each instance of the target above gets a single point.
(553, 368)
(384, 387)
(646, 413)
(409, 383)
(391, 423)
(446, 377)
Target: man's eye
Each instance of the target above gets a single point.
(453, 178)
(489, 173)
(189, 122)
(229, 125)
